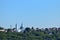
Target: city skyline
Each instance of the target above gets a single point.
(36, 13)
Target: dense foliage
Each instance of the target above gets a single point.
(31, 34)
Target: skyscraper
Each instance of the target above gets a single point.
(21, 27)
(16, 27)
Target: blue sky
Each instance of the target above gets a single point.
(37, 13)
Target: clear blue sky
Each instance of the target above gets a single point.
(37, 13)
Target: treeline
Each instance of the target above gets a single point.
(31, 34)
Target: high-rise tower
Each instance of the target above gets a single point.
(21, 27)
(16, 27)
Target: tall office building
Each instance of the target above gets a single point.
(16, 27)
(21, 27)
(10, 26)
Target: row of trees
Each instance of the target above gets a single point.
(32, 34)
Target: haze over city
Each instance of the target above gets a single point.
(36, 13)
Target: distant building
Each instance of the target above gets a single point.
(21, 28)
(2, 29)
(16, 27)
